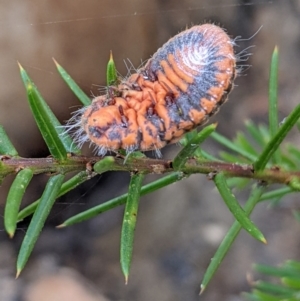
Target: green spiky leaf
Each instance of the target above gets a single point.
(84, 99)
(47, 200)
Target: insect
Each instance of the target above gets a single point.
(178, 89)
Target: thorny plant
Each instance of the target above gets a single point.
(267, 162)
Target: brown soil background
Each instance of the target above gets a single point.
(180, 227)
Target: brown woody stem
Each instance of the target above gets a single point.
(11, 165)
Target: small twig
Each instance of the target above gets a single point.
(11, 165)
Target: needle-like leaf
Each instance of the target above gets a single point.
(14, 198)
(58, 142)
(6, 147)
(236, 209)
(129, 223)
(230, 145)
(111, 72)
(192, 146)
(273, 101)
(84, 99)
(275, 142)
(66, 187)
(47, 200)
(230, 238)
(120, 200)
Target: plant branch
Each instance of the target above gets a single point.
(11, 165)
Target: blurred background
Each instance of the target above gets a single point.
(180, 227)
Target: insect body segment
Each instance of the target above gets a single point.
(179, 88)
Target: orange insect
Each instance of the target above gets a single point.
(178, 89)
